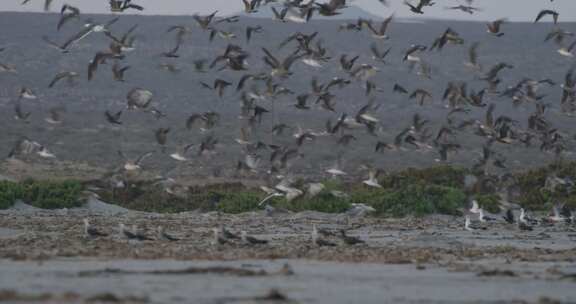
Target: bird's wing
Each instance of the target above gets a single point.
(143, 156)
(57, 78)
(76, 38)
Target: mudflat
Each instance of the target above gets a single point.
(46, 255)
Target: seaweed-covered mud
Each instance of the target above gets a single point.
(47, 257)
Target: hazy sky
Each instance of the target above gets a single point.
(515, 10)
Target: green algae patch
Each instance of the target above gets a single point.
(42, 194)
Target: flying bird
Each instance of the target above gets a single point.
(138, 98)
(417, 9)
(543, 13)
(380, 33)
(567, 51)
(89, 28)
(204, 21)
(122, 5)
(377, 54)
(494, 27)
(55, 117)
(133, 165)
(465, 8)
(372, 180)
(113, 118)
(67, 13)
(473, 57)
(251, 30)
(219, 86)
(19, 113)
(69, 76)
(26, 146)
(118, 71)
(99, 58)
(47, 4)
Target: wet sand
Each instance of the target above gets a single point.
(428, 260)
(312, 282)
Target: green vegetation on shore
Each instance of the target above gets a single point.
(41, 194)
(409, 192)
(531, 192)
(418, 192)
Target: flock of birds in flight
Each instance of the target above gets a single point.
(309, 50)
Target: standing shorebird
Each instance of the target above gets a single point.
(509, 216)
(316, 240)
(484, 218)
(218, 239)
(163, 235)
(91, 231)
(350, 240)
(469, 226)
(133, 235)
(251, 240)
(229, 235)
(524, 218)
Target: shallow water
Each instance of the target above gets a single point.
(313, 282)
